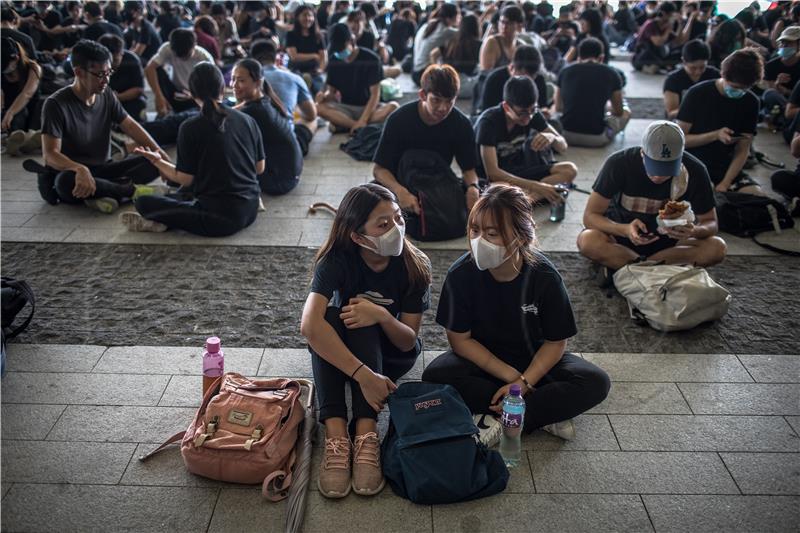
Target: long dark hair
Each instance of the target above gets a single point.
(463, 45)
(11, 50)
(298, 30)
(351, 216)
(253, 68)
(512, 214)
(594, 18)
(443, 12)
(207, 84)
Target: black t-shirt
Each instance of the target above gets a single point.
(146, 35)
(584, 110)
(23, 40)
(128, 74)
(305, 44)
(51, 19)
(367, 40)
(777, 66)
(404, 130)
(624, 181)
(679, 82)
(492, 92)
(284, 157)
(510, 319)
(167, 22)
(707, 110)
(100, 28)
(85, 131)
(400, 31)
(71, 38)
(344, 275)
(698, 30)
(223, 163)
(353, 79)
(624, 21)
(491, 130)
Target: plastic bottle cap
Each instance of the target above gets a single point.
(515, 390)
(212, 344)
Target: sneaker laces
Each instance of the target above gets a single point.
(367, 449)
(337, 453)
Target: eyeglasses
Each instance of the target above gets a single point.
(525, 113)
(102, 75)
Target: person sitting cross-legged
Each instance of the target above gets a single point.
(516, 144)
(633, 185)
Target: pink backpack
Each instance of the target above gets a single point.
(245, 431)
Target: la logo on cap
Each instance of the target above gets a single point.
(666, 153)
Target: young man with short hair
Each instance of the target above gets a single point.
(429, 123)
(127, 80)
(584, 90)
(719, 119)
(351, 98)
(527, 61)
(76, 128)
(694, 70)
(515, 144)
(97, 24)
(633, 185)
(141, 36)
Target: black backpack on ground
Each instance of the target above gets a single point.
(747, 215)
(443, 208)
(14, 296)
(363, 145)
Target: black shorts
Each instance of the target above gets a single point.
(647, 250)
(304, 137)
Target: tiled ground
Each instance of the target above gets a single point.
(684, 442)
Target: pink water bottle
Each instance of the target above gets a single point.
(213, 363)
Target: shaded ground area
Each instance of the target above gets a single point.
(169, 295)
(650, 108)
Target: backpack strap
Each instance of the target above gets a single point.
(773, 248)
(177, 437)
(26, 290)
(275, 484)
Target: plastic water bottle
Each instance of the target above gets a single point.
(512, 419)
(558, 210)
(213, 363)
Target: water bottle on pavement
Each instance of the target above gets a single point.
(213, 363)
(513, 415)
(557, 210)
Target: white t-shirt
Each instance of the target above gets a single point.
(181, 68)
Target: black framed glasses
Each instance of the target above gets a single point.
(524, 113)
(102, 75)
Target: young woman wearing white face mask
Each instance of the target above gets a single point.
(508, 318)
(361, 320)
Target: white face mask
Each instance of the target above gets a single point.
(388, 244)
(486, 254)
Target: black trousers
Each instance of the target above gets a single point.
(787, 183)
(201, 216)
(113, 179)
(164, 131)
(373, 348)
(570, 388)
(169, 90)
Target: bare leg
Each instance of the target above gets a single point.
(700, 252)
(335, 427)
(382, 112)
(561, 173)
(365, 425)
(603, 249)
(335, 116)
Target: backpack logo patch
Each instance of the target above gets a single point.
(427, 404)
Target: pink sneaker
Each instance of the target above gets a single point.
(367, 476)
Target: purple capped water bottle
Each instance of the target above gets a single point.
(512, 420)
(213, 363)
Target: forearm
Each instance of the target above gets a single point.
(300, 56)
(19, 103)
(131, 128)
(308, 111)
(152, 78)
(672, 114)
(372, 104)
(559, 143)
(604, 224)
(475, 352)
(400, 335)
(737, 163)
(386, 178)
(130, 94)
(544, 360)
(704, 230)
(694, 140)
(326, 343)
(59, 161)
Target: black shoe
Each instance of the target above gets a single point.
(31, 165)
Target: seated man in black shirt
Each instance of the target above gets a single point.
(781, 74)
(695, 69)
(430, 123)
(127, 81)
(97, 25)
(584, 89)
(141, 36)
(9, 23)
(76, 128)
(515, 144)
(527, 61)
(352, 94)
(719, 119)
(621, 217)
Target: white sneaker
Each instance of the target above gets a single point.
(490, 429)
(564, 430)
(136, 222)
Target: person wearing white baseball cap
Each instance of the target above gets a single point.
(782, 73)
(719, 118)
(621, 217)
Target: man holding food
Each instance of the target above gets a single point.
(654, 202)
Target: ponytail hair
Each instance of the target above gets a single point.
(253, 68)
(207, 84)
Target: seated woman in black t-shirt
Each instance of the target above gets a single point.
(508, 318)
(20, 85)
(362, 320)
(220, 154)
(257, 99)
(306, 48)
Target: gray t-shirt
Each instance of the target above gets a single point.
(85, 131)
(181, 68)
(423, 46)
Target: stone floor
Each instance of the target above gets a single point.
(685, 441)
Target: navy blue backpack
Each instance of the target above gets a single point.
(431, 453)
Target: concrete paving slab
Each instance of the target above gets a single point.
(101, 508)
(765, 473)
(772, 368)
(704, 433)
(29, 421)
(592, 432)
(240, 510)
(631, 472)
(742, 399)
(15, 220)
(165, 469)
(670, 367)
(174, 360)
(511, 513)
(672, 513)
(52, 357)
(4, 488)
(285, 363)
(643, 398)
(27, 461)
(120, 424)
(183, 391)
(794, 421)
(87, 389)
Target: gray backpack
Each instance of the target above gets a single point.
(671, 297)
